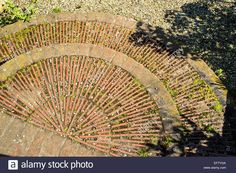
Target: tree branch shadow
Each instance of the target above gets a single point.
(206, 30)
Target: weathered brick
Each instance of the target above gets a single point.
(69, 148)
(11, 137)
(52, 145)
(5, 122)
(36, 145)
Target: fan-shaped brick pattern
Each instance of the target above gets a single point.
(96, 104)
(193, 95)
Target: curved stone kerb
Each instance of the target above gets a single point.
(69, 16)
(153, 85)
(211, 79)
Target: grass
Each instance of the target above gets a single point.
(220, 73)
(217, 107)
(57, 10)
(209, 128)
(167, 141)
(11, 13)
(143, 152)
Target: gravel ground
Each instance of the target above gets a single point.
(149, 11)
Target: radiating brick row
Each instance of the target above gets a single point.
(85, 99)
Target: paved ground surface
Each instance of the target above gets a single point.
(22, 139)
(152, 12)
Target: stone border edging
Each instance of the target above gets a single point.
(69, 16)
(211, 79)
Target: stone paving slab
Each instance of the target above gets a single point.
(18, 138)
(11, 137)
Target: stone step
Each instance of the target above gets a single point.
(11, 137)
(19, 138)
